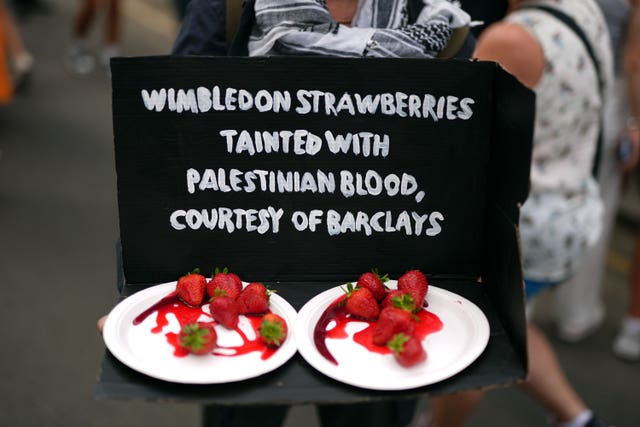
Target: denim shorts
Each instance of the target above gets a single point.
(534, 287)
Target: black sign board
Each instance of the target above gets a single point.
(301, 168)
(310, 171)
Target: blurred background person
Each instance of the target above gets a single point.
(17, 58)
(6, 88)
(627, 343)
(563, 53)
(579, 307)
(24, 9)
(80, 60)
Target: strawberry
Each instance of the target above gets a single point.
(374, 282)
(254, 299)
(361, 303)
(198, 338)
(191, 287)
(224, 310)
(415, 283)
(272, 330)
(392, 321)
(398, 299)
(229, 282)
(407, 349)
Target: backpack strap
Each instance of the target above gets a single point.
(244, 24)
(413, 9)
(571, 23)
(234, 10)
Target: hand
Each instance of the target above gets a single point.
(100, 324)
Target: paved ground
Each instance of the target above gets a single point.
(58, 225)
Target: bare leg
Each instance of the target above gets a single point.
(634, 301)
(454, 410)
(13, 39)
(79, 60)
(21, 59)
(547, 382)
(84, 18)
(627, 342)
(112, 33)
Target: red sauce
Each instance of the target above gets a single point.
(186, 314)
(336, 312)
(428, 323)
(248, 345)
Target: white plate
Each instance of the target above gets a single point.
(463, 337)
(151, 354)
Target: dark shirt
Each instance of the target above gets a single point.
(203, 29)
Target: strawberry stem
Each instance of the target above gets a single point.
(405, 302)
(397, 342)
(272, 332)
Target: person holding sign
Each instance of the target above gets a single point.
(627, 341)
(78, 60)
(424, 29)
(560, 49)
(344, 28)
(579, 306)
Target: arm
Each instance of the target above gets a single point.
(515, 49)
(631, 67)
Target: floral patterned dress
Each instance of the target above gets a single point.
(563, 214)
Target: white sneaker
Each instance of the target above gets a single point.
(22, 68)
(626, 345)
(581, 327)
(79, 61)
(108, 52)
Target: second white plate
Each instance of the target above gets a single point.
(463, 337)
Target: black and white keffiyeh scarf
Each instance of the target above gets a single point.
(378, 29)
